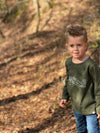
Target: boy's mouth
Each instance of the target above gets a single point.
(76, 53)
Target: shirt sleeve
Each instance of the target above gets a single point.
(65, 94)
(95, 72)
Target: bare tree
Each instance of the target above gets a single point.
(41, 5)
(38, 13)
(7, 9)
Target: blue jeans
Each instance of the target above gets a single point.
(86, 122)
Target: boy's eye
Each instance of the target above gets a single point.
(79, 44)
(71, 45)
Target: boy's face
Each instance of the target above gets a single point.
(76, 47)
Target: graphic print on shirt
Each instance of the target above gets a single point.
(76, 82)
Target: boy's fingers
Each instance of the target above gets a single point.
(63, 106)
(98, 116)
(62, 103)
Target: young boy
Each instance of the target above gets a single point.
(82, 83)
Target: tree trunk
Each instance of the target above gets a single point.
(44, 4)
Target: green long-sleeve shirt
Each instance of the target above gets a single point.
(82, 84)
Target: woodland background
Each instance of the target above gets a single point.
(32, 61)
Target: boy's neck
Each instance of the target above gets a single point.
(78, 61)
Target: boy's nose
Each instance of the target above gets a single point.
(75, 48)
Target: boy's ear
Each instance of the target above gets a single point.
(86, 44)
(66, 45)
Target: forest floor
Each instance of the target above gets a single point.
(32, 68)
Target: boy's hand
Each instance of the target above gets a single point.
(98, 116)
(62, 103)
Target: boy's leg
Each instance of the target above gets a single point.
(80, 122)
(92, 123)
